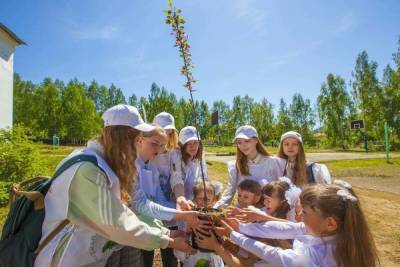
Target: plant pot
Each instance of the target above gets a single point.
(211, 215)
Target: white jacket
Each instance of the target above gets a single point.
(89, 197)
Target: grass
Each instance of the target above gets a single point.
(364, 167)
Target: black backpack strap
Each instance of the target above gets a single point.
(310, 173)
(73, 160)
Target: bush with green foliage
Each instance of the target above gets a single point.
(19, 158)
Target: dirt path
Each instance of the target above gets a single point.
(315, 157)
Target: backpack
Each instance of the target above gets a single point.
(310, 173)
(22, 229)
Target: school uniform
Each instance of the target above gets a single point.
(308, 251)
(188, 174)
(263, 169)
(316, 172)
(90, 198)
(148, 198)
(167, 165)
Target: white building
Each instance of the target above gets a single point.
(8, 42)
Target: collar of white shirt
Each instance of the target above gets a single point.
(256, 160)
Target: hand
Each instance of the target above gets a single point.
(177, 233)
(208, 241)
(180, 243)
(231, 223)
(183, 204)
(233, 211)
(192, 219)
(249, 216)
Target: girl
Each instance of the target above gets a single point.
(188, 171)
(165, 162)
(210, 258)
(295, 166)
(150, 200)
(334, 232)
(252, 162)
(94, 200)
(280, 198)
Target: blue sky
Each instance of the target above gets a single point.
(263, 48)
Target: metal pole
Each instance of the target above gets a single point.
(387, 142)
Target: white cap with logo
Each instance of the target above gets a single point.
(165, 121)
(127, 116)
(245, 132)
(187, 134)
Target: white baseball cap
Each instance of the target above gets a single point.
(127, 116)
(165, 121)
(292, 134)
(245, 132)
(187, 134)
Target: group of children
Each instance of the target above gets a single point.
(279, 198)
(288, 212)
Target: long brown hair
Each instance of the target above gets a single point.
(278, 187)
(172, 141)
(242, 161)
(120, 154)
(186, 156)
(355, 246)
(300, 170)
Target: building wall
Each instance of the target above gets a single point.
(7, 48)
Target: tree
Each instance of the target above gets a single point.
(79, 114)
(334, 108)
(303, 117)
(262, 118)
(48, 110)
(368, 95)
(284, 122)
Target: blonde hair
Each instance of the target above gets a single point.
(120, 154)
(199, 187)
(355, 246)
(172, 141)
(242, 161)
(300, 177)
(157, 131)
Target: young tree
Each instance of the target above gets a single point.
(334, 108)
(303, 117)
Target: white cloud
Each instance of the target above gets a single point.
(96, 33)
(248, 11)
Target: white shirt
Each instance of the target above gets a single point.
(263, 169)
(188, 174)
(308, 251)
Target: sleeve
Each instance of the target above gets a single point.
(281, 165)
(277, 167)
(142, 204)
(176, 169)
(321, 174)
(273, 255)
(203, 158)
(273, 229)
(230, 190)
(160, 199)
(93, 206)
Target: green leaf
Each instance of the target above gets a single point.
(170, 3)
